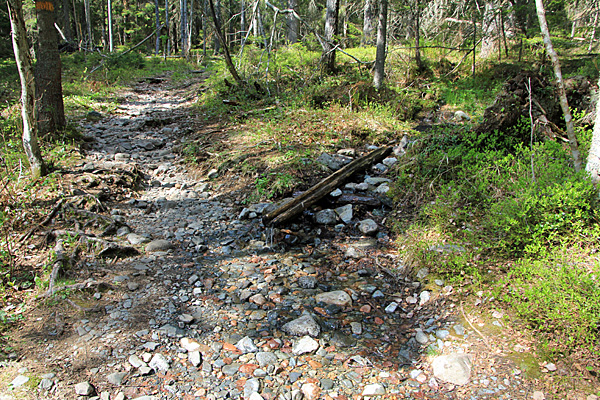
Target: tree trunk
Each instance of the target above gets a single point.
(157, 23)
(215, 10)
(183, 26)
(593, 36)
(474, 39)
(292, 23)
(368, 22)
(593, 162)
(88, 22)
(331, 30)
(68, 28)
(219, 34)
(418, 59)
(381, 43)
(168, 52)
(48, 86)
(23, 59)
(562, 94)
(111, 43)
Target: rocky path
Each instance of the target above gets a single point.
(209, 310)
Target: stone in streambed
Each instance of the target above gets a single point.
(159, 245)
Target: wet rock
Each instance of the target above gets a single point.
(307, 282)
(368, 226)
(305, 325)
(345, 213)
(305, 345)
(264, 358)
(340, 339)
(326, 217)
(452, 368)
(337, 297)
(246, 345)
(158, 245)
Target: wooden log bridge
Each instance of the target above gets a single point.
(294, 207)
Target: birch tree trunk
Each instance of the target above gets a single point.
(562, 94)
(48, 85)
(292, 23)
(23, 59)
(368, 22)
(593, 36)
(593, 162)
(418, 59)
(168, 51)
(331, 30)
(381, 43)
(88, 22)
(111, 45)
(157, 20)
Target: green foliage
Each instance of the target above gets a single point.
(490, 197)
(273, 184)
(557, 294)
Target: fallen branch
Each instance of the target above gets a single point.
(44, 222)
(58, 263)
(323, 188)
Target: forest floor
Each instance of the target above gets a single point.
(183, 299)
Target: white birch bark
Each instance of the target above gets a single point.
(562, 94)
(23, 59)
(593, 162)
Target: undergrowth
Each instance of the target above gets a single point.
(482, 203)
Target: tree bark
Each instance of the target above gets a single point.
(562, 94)
(157, 23)
(111, 42)
(292, 23)
(418, 59)
(49, 103)
(593, 36)
(381, 44)
(88, 22)
(331, 30)
(68, 28)
(168, 44)
(219, 34)
(593, 161)
(23, 59)
(368, 22)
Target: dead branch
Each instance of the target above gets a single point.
(59, 262)
(44, 222)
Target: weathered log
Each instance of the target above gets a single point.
(323, 188)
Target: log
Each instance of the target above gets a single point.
(297, 205)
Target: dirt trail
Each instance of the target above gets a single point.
(213, 308)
